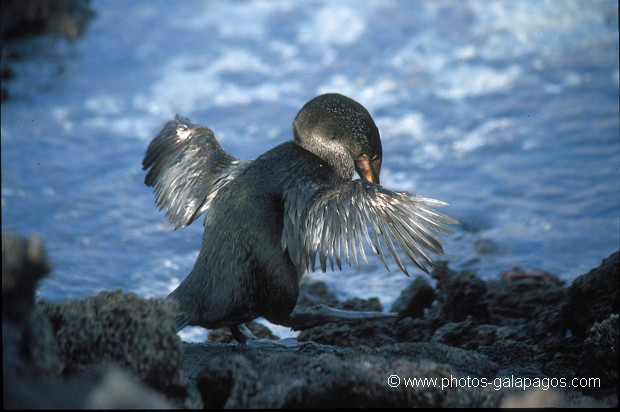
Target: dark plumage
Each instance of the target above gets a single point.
(269, 218)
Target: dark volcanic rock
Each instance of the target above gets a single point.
(468, 335)
(531, 305)
(323, 376)
(227, 378)
(601, 359)
(419, 329)
(374, 332)
(117, 350)
(20, 19)
(371, 332)
(119, 328)
(315, 293)
(514, 359)
(29, 353)
(594, 296)
(24, 263)
(115, 388)
(32, 364)
(461, 294)
(414, 299)
(358, 304)
(27, 337)
(520, 299)
(463, 361)
(28, 17)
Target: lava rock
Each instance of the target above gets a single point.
(469, 335)
(594, 296)
(601, 359)
(521, 298)
(370, 332)
(119, 328)
(27, 17)
(314, 293)
(328, 377)
(24, 263)
(461, 294)
(34, 366)
(414, 299)
(117, 350)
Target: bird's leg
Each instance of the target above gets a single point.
(305, 318)
(244, 336)
(308, 317)
(242, 333)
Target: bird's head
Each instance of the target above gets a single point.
(342, 133)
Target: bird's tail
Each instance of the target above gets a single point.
(181, 321)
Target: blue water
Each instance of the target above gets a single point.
(508, 110)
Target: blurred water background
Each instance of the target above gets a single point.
(507, 110)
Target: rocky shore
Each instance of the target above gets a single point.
(524, 339)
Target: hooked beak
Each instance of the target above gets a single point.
(368, 169)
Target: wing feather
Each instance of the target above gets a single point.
(187, 166)
(338, 221)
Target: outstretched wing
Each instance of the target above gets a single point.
(337, 220)
(187, 168)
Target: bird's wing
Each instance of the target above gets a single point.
(335, 221)
(187, 168)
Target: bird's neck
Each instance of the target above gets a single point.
(335, 155)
